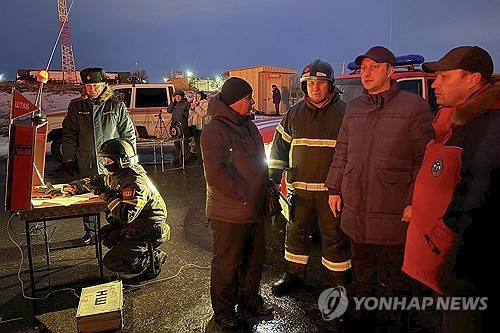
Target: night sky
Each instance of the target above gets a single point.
(209, 37)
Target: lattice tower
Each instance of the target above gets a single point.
(68, 59)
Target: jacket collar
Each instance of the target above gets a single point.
(331, 99)
(377, 101)
(218, 109)
(106, 94)
(484, 100)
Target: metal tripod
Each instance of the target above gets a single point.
(161, 135)
(161, 131)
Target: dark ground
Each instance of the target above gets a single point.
(175, 301)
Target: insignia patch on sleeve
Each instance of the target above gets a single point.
(128, 193)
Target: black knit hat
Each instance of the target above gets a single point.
(93, 75)
(234, 89)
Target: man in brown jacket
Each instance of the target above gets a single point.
(237, 176)
(379, 150)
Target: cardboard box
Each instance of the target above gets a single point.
(100, 308)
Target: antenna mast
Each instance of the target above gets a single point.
(68, 60)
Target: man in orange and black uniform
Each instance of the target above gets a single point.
(303, 146)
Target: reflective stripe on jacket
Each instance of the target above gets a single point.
(304, 143)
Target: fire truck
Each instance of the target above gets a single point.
(406, 71)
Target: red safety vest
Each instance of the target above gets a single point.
(428, 239)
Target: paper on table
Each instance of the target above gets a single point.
(63, 201)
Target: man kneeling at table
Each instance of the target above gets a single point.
(136, 213)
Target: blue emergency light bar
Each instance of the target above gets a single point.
(404, 60)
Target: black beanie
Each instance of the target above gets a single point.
(234, 89)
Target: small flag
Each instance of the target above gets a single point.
(20, 105)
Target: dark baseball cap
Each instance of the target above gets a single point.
(378, 54)
(470, 58)
(180, 93)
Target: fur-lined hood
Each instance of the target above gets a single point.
(107, 94)
(487, 100)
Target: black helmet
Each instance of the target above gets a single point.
(317, 70)
(121, 151)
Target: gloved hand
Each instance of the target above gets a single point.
(110, 235)
(70, 168)
(97, 185)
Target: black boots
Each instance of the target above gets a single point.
(287, 284)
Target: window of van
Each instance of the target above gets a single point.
(151, 97)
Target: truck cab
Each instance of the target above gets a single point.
(146, 102)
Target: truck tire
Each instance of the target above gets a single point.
(56, 149)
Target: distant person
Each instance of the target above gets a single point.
(179, 108)
(199, 118)
(276, 98)
(124, 96)
(302, 148)
(379, 150)
(137, 213)
(237, 179)
(457, 190)
(90, 121)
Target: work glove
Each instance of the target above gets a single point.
(110, 235)
(80, 186)
(70, 168)
(97, 185)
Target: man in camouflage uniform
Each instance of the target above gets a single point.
(137, 213)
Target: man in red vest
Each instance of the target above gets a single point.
(457, 187)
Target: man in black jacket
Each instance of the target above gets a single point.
(276, 98)
(237, 179)
(179, 109)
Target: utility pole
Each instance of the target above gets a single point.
(390, 30)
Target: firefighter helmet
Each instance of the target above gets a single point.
(120, 151)
(317, 70)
